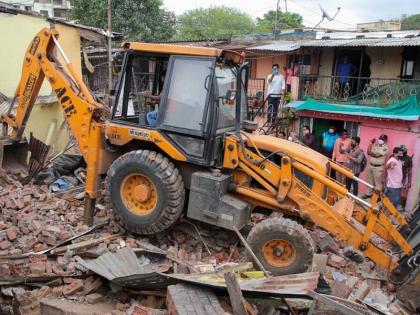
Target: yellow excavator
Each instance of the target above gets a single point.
(176, 138)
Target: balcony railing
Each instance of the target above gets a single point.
(357, 90)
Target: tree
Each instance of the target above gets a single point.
(411, 22)
(273, 21)
(142, 20)
(213, 22)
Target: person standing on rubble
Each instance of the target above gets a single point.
(276, 87)
(378, 152)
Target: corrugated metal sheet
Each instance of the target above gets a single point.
(354, 35)
(124, 269)
(296, 285)
(278, 46)
(358, 42)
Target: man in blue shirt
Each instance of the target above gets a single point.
(328, 140)
(345, 70)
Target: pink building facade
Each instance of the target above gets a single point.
(398, 132)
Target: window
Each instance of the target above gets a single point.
(28, 8)
(58, 2)
(59, 13)
(44, 13)
(408, 68)
(190, 83)
(226, 80)
(137, 81)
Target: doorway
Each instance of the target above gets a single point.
(359, 70)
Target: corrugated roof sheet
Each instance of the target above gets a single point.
(358, 42)
(278, 46)
(354, 35)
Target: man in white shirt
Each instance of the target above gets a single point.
(276, 87)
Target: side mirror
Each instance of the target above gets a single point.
(230, 97)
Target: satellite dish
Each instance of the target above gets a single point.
(325, 15)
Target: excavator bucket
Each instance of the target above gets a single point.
(13, 155)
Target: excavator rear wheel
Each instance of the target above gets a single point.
(146, 190)
(283, 246)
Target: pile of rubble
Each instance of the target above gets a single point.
(50, 263)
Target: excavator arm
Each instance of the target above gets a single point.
(82, 112)
(366, 226)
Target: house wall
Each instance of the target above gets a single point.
(18, 31)
(327, 62)
(385, 62)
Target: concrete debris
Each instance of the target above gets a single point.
(51, 263)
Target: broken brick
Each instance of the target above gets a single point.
(11, 234)
(336, 261)
(94, 298)
(5, 245)
(74, 287)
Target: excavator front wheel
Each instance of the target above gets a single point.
(283, 246)
(146, 190)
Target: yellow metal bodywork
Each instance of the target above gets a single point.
(281, 186)
(168, 49)
(119, 134)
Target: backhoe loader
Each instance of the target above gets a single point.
(202, 155)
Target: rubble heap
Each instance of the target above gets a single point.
(44, 247)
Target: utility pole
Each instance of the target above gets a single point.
(285, 5)
(109, 46)
(277, 19)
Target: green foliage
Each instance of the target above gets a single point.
(273, 21)
(213, 22)
(142, 20)
(411, 22)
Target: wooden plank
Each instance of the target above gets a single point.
(235, 294)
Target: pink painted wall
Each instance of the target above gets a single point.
(407, 133)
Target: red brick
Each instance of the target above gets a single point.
(27, 199)
(47, 238)
(4, 270)
(73, 288)
(11, 234)
(38, 247)
(64, 235)
(5, 245)
(92, 285)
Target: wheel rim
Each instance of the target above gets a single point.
(139, 194)
(279, 253)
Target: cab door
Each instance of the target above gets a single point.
(184, 109)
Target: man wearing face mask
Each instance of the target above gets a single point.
(276, 87)
(394, 178)
(378, 152)
(356, 157)
(328, 141)
(341, 152)
(407, 175)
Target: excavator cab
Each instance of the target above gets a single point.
(188, 99)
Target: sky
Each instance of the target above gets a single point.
(351, 13)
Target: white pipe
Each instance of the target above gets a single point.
(66, 60)
(359, 200)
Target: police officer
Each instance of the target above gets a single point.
(378, 152)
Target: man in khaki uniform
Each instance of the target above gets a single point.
(378, 152)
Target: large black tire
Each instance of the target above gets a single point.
(169, 185)
(289, 234)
